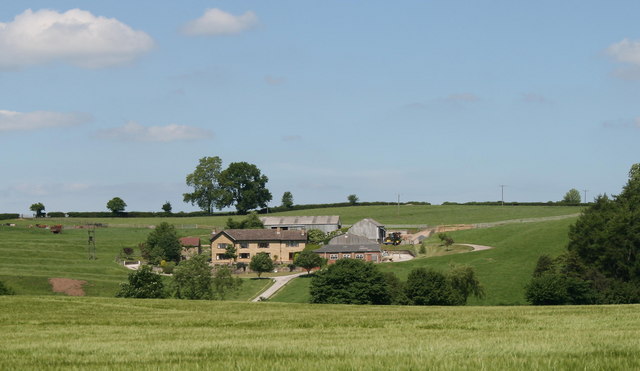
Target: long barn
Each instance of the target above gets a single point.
(325, 223)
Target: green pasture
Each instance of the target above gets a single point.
(50, 333)
(437, 214)
(387, 214)
(503, 271)
(32, 255)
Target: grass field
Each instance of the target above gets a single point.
(32, 255)
(409, 214)
(47, 333)
(503, 271)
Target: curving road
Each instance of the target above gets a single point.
(279, 282)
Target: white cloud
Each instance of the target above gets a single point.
(76, 36)
(625, 51)
(132, 131)
(18, 121)
(216, 22)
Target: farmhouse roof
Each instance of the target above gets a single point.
(301, 220)
(190, 241)
(262, 235)
(372, 221)
(351, 239)
(349, 248)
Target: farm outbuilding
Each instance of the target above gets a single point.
(348, 246)
(325, 223)
(370, 229)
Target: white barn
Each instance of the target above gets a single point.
(325, 223)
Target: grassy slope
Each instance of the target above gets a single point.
(409, 214)
(34, 255)
(503, 270)
(107, 333)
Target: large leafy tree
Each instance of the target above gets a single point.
(244, 186)
(205, 180)
(193, 280)
(308, 260)
(572, 197)
(287, 200)
(261, 263)
(37, 208)
(602, 262)
(252, 221)
(429, 287)
(350, 281)
(116, 205)
(142, 283)
(162, 244)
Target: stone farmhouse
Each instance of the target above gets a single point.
(326, 223)
(281, 245)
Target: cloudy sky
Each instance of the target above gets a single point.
(435, 101)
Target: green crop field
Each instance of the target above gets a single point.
(406, 214)
(48, 333)
(503, 271)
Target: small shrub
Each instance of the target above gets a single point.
(5, 290)
(423, 249)
(168, 267)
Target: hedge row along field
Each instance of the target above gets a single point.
(106, 333)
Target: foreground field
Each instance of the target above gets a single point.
(106, 333)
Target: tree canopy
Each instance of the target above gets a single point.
(207, 192)
(350, 281)
(142, 284)
(37, 208)
(252, 221)
(572, 197)
(602, 262)
(308, 260)
(240, 184)
(261, 263)
(353, 199)
(192, 279)
(116, 205)
(287, 200)
(244, 186)
(162, 244)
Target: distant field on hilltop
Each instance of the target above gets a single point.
(503, 271)
(408, 214)
(47, 333)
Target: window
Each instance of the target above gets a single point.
(220, 257)
(359, 256)
(333, 257)
(346, 256)
(244, 245)
(263, 245)
(245, 255)
(223, 245)
(292, 244)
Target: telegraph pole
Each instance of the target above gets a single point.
(398, 203)
(502, 186)
(585, 195)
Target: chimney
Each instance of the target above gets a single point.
(278, 230)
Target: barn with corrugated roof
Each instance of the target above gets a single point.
(325, 223)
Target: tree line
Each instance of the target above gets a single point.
(602, 262)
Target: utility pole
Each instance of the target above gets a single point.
(585, 195)
(502, 186)
(398, 204)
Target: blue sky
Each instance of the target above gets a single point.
(435, 101)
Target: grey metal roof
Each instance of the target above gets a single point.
(349, 248)
(351, 239)
(300, 220)
(372, 221)
(263, 235)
